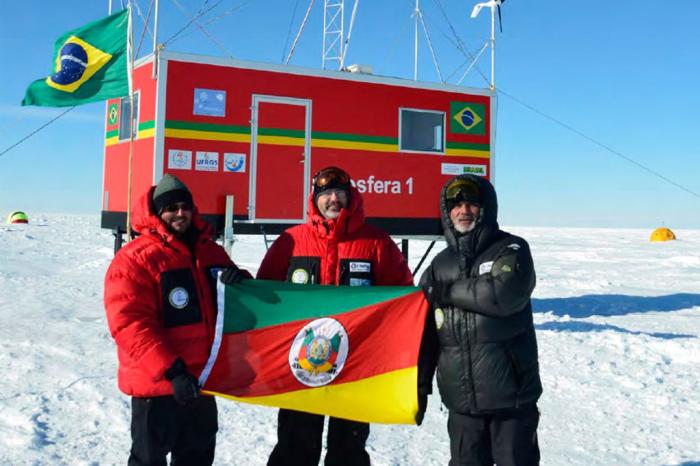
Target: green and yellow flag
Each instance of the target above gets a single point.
(347, 352)
(90, 64)
(467, 118)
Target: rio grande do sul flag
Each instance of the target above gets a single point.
(89, 64)
(346, 352)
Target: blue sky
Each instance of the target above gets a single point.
(623, 73)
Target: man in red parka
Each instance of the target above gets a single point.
(334, 247)
(161, 309)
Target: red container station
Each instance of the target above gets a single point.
(259, 132)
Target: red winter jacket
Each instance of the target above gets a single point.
(160, 302)
(341, 251)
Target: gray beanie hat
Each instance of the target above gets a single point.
(170, 190)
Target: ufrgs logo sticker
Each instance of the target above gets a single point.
(318, 352)
(207, 161)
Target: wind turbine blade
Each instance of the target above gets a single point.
(476, 10)
(500, 24)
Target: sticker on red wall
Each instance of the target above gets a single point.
(462, 169)
(209, 102)
(234, 163)
(180, 159)
(207, 161)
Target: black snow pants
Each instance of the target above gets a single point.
(160, 425)
(299, 441)
(506, 437)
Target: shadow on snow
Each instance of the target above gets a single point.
(611, 305)
(614, 304)
(580, 326)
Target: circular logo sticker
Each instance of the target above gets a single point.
(318, 352)
(439, 318)
(179, 298)
(300, 276)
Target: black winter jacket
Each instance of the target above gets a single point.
(487, 355)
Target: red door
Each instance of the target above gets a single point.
(280, 149)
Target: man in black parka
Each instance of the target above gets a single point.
(479, 288)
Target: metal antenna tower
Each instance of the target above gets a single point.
(333, 44)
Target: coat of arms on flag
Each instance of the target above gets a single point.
(341, 351)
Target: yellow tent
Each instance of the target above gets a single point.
(662, 234)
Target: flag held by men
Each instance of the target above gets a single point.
(347, 352)
(89, 65)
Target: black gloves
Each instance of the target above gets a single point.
(437, 293)
(185, 385)
(233, 275)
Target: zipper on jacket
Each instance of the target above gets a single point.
(471, 324)
(517, 374)
(200, 293)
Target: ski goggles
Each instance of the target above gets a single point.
(463, 190)
(172, 208)
(330, 178)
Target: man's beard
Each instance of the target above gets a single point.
(465, 229)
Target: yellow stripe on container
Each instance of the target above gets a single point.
(143, 134)
(389, 398)
(206, 135)
(368, 146)
(481, 154)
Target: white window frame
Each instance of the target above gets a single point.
(421, 110)
(137, 97)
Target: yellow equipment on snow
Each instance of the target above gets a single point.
(662, 234)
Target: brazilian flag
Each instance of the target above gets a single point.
(90, 64)
(467, 118)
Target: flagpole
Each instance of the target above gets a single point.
(130, 54)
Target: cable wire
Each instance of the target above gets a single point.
(598, 143)
(430, 45)
(34, 132)
(460, 44)
(289, 30)
(216, 18)
(194, 21)
(145, 28)
(301, 29)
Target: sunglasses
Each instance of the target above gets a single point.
(331, 177)
(463, 190)
(172, 208)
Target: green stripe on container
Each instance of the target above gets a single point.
(353, 137)
(112, 134)
(289, 133)
(187, 125)
(211, 127)
(253, 304)
(466, 145)
(147, 125)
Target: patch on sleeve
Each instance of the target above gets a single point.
(360, 267)
(360, 282)
(514, 246)
(485, 267)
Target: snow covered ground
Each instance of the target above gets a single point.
(617, 317)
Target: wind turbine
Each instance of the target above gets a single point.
(494, 5)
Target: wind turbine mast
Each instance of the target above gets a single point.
(494, 5)
(333, 26)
